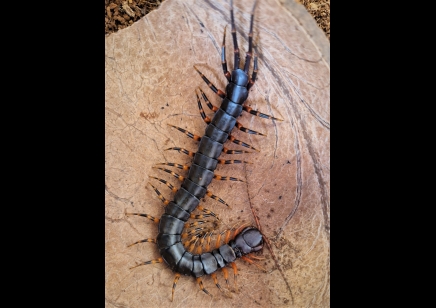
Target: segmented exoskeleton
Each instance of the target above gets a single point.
(194, 187)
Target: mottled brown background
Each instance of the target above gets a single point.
(150, 82)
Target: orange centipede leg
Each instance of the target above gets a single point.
(200, 283)
(159, 260)
(166, 183)
(215, 280)
(160, 196)
(189, 134)
(147, 240)
(226, 275)
(176, 278)
(235, 272)
(252, 262)
(154, 219)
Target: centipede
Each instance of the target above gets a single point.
(181, 235)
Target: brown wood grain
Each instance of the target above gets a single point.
(150, 82)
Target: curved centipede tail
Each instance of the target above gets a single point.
(176, 278)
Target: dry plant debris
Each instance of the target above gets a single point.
(120, 14)
(320, 10)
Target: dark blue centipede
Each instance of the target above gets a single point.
(194, 187)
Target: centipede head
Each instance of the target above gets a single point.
(249, 240)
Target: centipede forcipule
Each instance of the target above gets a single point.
(146, 135)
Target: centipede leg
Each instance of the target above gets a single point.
(182, 150)
(177, 176)
(154, 219)
(232, 161)
(215, 280)
(180, 166)
(160, 196)
(208, 103)
(219, 92)
(173, 189)
(252, 262)
(159, 260)
(200, 107)
(247, 130)
(228, 151)
(212, 196)
(200, 283)
(176, 279)
(147, 240)
(226, 275)
(235, 272)
(234, 140)
(226, 178)
(206, 211)
(259, 114)
(189, 134)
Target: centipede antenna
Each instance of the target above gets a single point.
(250, 41)
(235, 41)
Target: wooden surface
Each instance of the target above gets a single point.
(150, 82)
